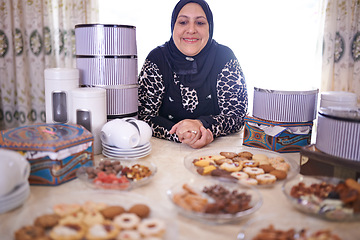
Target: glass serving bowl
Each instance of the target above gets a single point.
(196, 185)
(123, 182)
(188, 160)
(329, 208)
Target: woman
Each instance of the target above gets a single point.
(192, 89)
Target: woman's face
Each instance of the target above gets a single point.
(191, 29)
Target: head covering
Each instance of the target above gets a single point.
(192, 71)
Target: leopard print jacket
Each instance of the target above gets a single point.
(231, 97)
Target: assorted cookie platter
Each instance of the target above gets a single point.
(95, 215)
(251, 166)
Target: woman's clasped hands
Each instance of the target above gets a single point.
(193, 133)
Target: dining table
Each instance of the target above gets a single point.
(169, 157)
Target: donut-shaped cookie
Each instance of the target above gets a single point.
(102, 231)
(127, 221)
(253, 171)
(152, 227)
(68, 231)
(250, 163)
(266, 178)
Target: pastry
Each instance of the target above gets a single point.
(152, 227)
(141, 210)
(112, 211)
(231, 167)
(253, 171)
(102, 231)
(127, 221)
(266, 178)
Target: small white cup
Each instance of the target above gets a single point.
(120, 133)
(145, 132)
(14, 170)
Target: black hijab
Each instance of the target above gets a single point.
(192, 71)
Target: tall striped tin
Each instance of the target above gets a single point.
(106, 56)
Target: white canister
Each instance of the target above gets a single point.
(338, 99)
(58, 83)
(89, 110)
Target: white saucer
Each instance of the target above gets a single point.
(124, 150)
(15, 198)
(125, 156)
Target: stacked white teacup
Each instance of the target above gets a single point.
(126, 138)
(14, 183)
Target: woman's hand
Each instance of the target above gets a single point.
(192, 133)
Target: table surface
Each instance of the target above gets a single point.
(169, 159)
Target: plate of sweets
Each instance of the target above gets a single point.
(213, 201)
(248, 165)
(116, 174)
(276, 227)
(94, 215)
(328, 198)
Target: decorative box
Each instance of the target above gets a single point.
(55, 151)
(277, 136)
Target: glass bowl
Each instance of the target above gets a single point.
(320, 204)
(120, 181)
(188, 161)
(251, 200)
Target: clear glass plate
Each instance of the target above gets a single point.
(199, 183)
(124, 199)
(83, 176)
(330, 209)
(188, 160)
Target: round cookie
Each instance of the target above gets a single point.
(102, 231)
(261, 158)
(68, 231)
(284, 166)
(253, 171)
(266, 178)
(250, 181)
(142, 210)
(129, 235)
(279, 174)
(112, 211)
(127, 221)
(152, 227)
(246, 154)
(250, 163)
(93, 218)
(240, 175)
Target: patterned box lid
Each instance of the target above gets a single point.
(44, 137)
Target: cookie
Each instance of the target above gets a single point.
(249, 163)
(102, 231)
(112, 211)
(223, 160)
(152, 227)
(206, 170)
(231, 167)
(142, 210)
(240, 175)
(260, 157)
(246, 154)
(267, 167)
(228, 154)
(127, 221)
(279, 174)
(47, 221)
(253, 171)
(29, 233)
(266, 178)
(68, 231)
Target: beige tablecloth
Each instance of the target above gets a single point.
(169, 159)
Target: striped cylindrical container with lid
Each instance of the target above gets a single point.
(106, 55)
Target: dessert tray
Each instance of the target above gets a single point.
(92, 202)
(200, 199)
(198, 162)
(271, 225)
(116, 174)
(126, 153)
(324, 197)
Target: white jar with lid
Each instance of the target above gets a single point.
(338, 99)
(89, 110)
(58, 83)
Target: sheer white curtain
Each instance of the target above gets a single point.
(35, 35)
(276, 42)
(341, 58)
